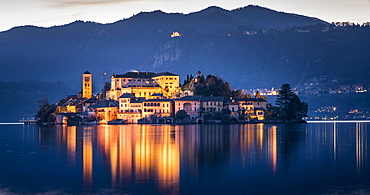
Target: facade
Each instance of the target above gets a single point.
(191, 104)
(130, 108)
(254, 108)
(144, 84)
(168, 82)
(233, 107)
(104, 111)
(158, 108)
(86, 85)
(212, 104)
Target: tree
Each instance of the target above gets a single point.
(46, 112)
(290, 107)
(226, 111)
(181, 114)
(217, 115)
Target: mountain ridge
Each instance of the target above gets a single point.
(203, 11)
(220, 42)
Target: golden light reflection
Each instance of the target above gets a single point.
(71, 143)
(125, 154)
(273, 148)
(151, 153)
(260, 135)
(141, 152)
(169, 160)
(87, 159)
(157, 150)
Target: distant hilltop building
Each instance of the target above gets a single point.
(144, 84)
(175, 34)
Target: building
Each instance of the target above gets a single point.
(212, 104)
(144, 84)
(104, 111)
(130, 108)
(158, 108)
(253, 108)
(191, 104)
(86, 85)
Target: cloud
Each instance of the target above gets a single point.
(71, 3)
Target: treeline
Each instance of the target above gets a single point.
(210, 85)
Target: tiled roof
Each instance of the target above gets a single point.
(164, 74)
(251, 99)
(126, 95)
(213, 98)
(91, 100)
(137, 100)
(135, 75)
(105, 104)
(190, 98)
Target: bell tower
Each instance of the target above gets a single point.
(86, 85)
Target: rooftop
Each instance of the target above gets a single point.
(251, 99)
(105, 104)
(135, 75)
(165, 74)
(190, 98)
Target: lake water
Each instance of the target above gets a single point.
(330, 158)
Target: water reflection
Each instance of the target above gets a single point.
(188, 159)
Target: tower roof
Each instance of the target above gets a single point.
(87, 72)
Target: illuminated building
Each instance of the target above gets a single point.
(105, 110)
(130, 108)
(191, 104)
(158, 108)
(254, 107)
(144, 84)
(175, 34)
(86, 85)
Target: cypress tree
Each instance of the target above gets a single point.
(290, 107)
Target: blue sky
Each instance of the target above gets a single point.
(57, 12)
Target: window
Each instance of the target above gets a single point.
(87, 78)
